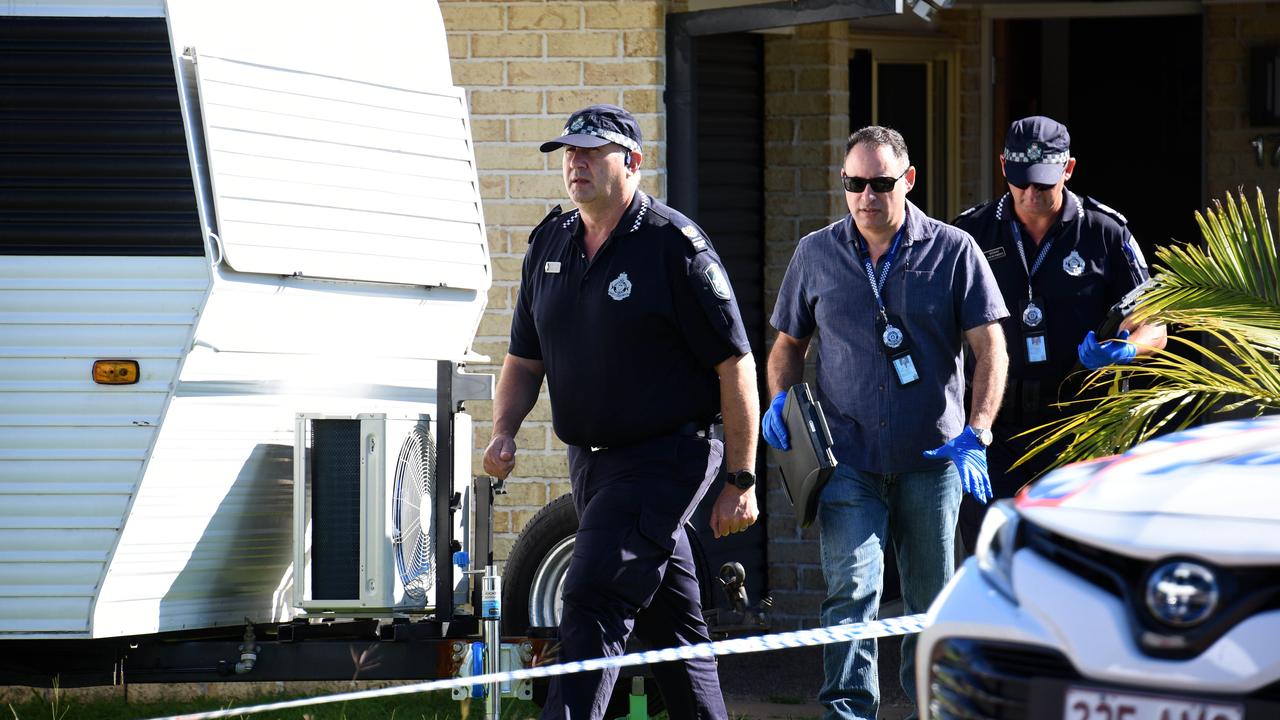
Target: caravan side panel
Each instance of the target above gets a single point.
(209, 538)
(72, 451)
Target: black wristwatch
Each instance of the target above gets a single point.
(742, 479)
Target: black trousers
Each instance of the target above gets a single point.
(633, 571)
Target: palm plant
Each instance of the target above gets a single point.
(1227, 293)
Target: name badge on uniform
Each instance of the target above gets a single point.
(898, 348)
(552, 266)
(1032, 322)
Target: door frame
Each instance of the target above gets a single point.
(1055, 10)
(900, 47)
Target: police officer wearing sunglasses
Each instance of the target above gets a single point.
(627, 312)
(1061, 261)
(894, 294)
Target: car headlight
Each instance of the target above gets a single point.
(996, 545)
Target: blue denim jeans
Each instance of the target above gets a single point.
(857, 512)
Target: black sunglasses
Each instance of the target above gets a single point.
(878, 184)
(1039, 186)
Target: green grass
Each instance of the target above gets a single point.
(422, 706)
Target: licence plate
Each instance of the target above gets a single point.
(1089, 704)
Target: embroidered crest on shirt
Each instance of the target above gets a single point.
(719, 283)
(620, 288)
(1073, 265)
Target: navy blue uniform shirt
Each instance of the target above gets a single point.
(630, 340)
(939, 287)
(1073, 304)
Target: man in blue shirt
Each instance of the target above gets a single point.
(626, 311)
(894, 295)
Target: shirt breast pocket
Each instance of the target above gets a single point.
(923, 293)
(927, 301)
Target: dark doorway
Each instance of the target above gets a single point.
(1130, 92)
(729, 76)
(911, 96)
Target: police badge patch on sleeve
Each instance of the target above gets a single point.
(719, 282)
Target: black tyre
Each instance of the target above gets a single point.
(531, 587)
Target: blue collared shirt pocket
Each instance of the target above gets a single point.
(922, 295)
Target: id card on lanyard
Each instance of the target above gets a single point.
(1031, 319)
(893, 336)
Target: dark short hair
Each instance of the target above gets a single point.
(878, 136)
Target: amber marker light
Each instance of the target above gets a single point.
(115, 372)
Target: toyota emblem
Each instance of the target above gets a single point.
(1182, 594)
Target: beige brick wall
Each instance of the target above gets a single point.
(1230, 31)
(526, 66)
(965, 26)
(806, 125)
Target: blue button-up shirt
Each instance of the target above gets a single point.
(939, 286)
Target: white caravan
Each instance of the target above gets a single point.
(232, 234)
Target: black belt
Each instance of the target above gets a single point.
(693, 429)
(689, 429)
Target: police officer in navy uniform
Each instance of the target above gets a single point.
(1061, 262)
(626, 310)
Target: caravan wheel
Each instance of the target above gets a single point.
(533, 582)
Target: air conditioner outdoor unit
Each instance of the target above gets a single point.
(364, 528)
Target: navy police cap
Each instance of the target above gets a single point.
(598, 125)
(1036, 150)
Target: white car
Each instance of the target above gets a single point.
(1144, 586)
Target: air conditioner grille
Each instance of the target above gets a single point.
(414, 532)
(335, 503)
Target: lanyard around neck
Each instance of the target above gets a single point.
(877, 283)
(1022, 253)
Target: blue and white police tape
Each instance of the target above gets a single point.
(890, 627)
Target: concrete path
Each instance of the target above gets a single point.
(784, 684)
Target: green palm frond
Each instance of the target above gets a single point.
(1233, 283)
(1227, 292)
(1169, 392)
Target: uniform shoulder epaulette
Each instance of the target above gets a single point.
(687, 227)
(1114, 214)
(692, 234)
(973, 209)
(555, 213)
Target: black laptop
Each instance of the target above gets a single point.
(808, 465)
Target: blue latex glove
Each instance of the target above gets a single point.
(970, 459)
(1094, 355)
(774, 429)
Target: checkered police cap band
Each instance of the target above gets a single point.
(581, 127)
(598, 125)
(1036, 154)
